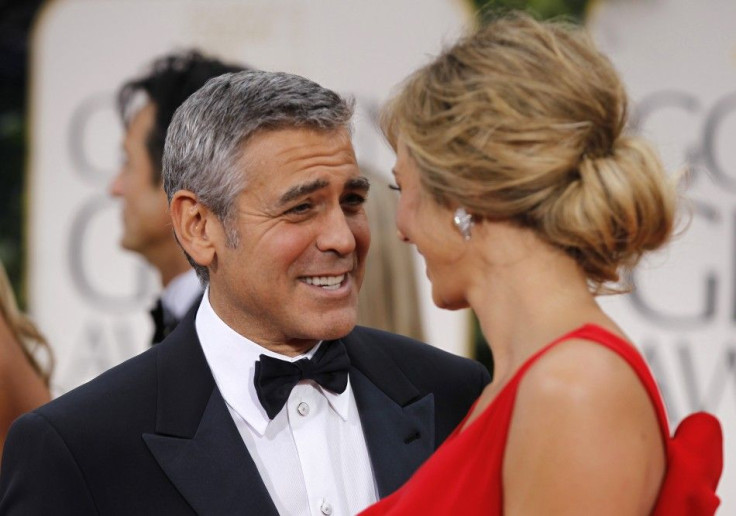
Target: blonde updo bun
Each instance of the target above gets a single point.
(523, 121)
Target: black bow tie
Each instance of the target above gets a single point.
(275, 378)
(163, 322)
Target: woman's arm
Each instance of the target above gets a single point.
(21, 388)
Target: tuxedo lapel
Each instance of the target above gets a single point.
(213, 470)
(196, 442)
(399, 439)
(397, 421)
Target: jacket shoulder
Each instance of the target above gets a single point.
(117, 390)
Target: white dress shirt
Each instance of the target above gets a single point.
(312, 456)
(180, 294)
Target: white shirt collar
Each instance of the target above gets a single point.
(232, 357)
(181, 292)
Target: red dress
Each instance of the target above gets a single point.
(464, 474)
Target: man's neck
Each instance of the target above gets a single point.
(256, 331)
(170, 263)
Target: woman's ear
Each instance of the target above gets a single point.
(194, 227)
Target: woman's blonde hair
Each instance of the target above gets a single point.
(30, 339)
(523, 121)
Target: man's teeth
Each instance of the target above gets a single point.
(326, 282)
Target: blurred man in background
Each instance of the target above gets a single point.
(146, 105)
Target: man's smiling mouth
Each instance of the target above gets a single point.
(326, 282)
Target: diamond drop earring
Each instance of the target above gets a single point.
(463, 222)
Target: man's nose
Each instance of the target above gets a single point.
(336, 234)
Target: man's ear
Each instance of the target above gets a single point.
(196, 227)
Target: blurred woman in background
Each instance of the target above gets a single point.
(24, 384)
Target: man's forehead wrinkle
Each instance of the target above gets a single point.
(309, 157)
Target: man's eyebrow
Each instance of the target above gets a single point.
(358, 183)
(295, 192)
(301, 190)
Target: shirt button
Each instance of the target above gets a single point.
(303, 410)
(326, 508)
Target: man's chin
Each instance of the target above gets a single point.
(129, 244)
(332, 328)
(126, 243)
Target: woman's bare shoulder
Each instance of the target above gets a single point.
(580, 371)
(585, 427)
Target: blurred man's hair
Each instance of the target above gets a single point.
(170, 80)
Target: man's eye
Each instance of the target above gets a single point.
(354, 199)
(299, 209)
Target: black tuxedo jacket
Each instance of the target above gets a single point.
(153, 435)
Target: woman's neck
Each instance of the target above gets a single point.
(526, 294)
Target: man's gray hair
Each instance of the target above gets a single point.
(207, 136)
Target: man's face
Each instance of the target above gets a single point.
(146, 223)
(303, 235)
